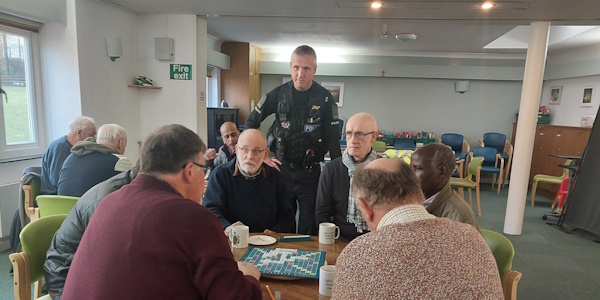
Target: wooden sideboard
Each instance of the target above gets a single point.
(551, 139)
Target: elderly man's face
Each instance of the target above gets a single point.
(230, 136)
(363, 135)
(251, 151)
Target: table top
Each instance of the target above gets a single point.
(566, 156)
(299, 288)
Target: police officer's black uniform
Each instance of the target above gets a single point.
(305, 129)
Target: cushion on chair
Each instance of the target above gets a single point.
(490, 169)
(547, 178)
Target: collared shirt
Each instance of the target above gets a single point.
(430, 199)
(237, 172)
(405, 214)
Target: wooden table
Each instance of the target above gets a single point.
(301, 288)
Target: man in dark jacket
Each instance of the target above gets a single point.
(67, 238)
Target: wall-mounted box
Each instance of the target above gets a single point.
(163, 48)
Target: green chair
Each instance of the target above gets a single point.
(548, 179)
(379, 146)
(28, 265)
(50, 205)
(467, 182)
(503, 252)
(30, 191)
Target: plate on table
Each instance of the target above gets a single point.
(261, 240)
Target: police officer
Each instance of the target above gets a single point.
(305, 129)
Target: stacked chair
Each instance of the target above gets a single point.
(503, 252)
(468, 182)
(499, 142)
(492, 163)
(461, 149)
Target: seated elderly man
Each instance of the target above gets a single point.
(79, 129)
(152, 239)
(93, 162)
(410, 253)
(433, 164)
(229, 134)
(247, 191)
(67, 238)
(335, 198)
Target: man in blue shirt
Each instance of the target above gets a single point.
(54, 157)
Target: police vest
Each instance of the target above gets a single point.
(299, 127)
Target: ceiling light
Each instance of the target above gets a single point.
(376, 5)
(487, 5)
(405, 37)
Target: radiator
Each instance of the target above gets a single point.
(9, 199)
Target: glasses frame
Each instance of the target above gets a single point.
(204, 168)
(357, 135)
(255, 152)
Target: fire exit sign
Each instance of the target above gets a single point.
(181, 72)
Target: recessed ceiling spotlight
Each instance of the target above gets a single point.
(405, 37)
(376, 4)
(487, 5)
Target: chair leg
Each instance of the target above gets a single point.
(478, 202)
(470, 199)
(461, 192)
(533, 189)
(37, 289)
(493, 181)
(499, 180)
(506, 174)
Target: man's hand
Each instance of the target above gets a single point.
(273, 162)
(269, 231)
(210, 154)
(249, 269)
(228, 228)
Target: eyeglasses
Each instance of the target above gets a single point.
(358, 135)
(254, 151)
(204, 168)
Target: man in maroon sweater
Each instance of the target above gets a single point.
(153, 240)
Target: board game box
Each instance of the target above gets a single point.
(286, 262)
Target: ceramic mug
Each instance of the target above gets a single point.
(328, 233)
(326, 275)
(239, 236)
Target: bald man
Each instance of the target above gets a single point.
(410, 253)
(433, 164)
(335, 200)
(249, 192)
(229, 134)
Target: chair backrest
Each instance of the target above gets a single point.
(404, 145)
(494, 140)
(36, 238)
(379, 146)
(341, 123)
(404, 155)
(32, 169)
(502, 249)
(475, 166)
(565, 170)
(30, 186)
(50, 205)
(488, 153)
(454, 140)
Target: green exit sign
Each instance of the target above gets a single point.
(181, 72)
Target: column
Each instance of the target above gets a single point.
(525, 135)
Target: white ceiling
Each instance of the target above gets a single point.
(444, 28)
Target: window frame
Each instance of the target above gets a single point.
(34, 149)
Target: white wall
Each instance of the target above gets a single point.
(427, 104)
(104, 92)
(45, 10)
(569, 111)
(176, 101)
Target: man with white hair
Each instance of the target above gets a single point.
(93, 162)
(79, 129)
(245, 191)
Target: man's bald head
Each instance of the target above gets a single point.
(229, 134)
(253, 137)
(360, 124)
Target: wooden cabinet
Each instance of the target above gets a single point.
(550, 139)
(241, 83)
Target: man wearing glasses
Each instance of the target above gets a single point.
(335, 198)
(245, 191)
(152, 239)
(305, 129)
(229, 134)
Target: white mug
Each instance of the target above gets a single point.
(239, 236)
(326, 275)
(327, 233)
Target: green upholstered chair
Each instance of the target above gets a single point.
(30, 192)
(548, 179)
(503, 252)
(28, 265)
(379, 146)
(50, 205)
(468, 182)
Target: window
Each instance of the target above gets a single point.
(212, 86)
(20, 110)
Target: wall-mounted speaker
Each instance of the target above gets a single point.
(461, 86)
(163, 48)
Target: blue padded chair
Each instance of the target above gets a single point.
(499, 142)
(491, 157)
(407, 145)
(457, 143)
(341, 123)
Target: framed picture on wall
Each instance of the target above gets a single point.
(588, 96)
(555, 94)
(337, 91)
